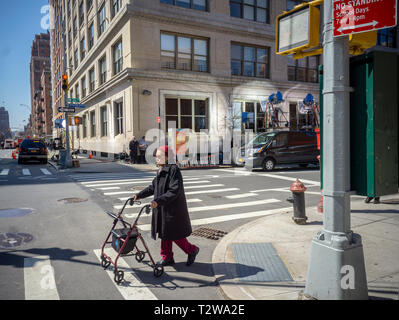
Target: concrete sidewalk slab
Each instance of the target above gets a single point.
(376, 223)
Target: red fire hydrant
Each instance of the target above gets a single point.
(298, 194)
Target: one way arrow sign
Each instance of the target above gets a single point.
(355, 16)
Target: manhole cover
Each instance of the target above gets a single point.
(11, 240)
(14, 213)
(209, 233)
(72, 200)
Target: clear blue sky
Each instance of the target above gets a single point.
(20, 20)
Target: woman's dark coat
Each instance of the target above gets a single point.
(170, 220)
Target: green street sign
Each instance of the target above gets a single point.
(76, 100)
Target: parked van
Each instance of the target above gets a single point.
(269, 149)
(9, 144)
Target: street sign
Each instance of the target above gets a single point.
(72, 110)
(82, 106)
(355, 16)
(72, 100)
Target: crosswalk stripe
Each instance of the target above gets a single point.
(211, 191)
(26, 172)
(46, 172)
(132, 288)
(206, 186)
(111, 181)
(243, 195)
(4, 172)
(230, 217)
(39, 279)
(143, 203)
(109, 188)
(127, 183)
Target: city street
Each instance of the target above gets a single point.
(50, 246)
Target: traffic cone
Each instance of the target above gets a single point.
(90, 155)
(14, 156)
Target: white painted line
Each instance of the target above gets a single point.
(143, 203)
(211, 191)
(270, 175)
(46, 172)
(131, 288)
(111, 181)
(127, 183)
(109, 188)
(243, 195)
(230, 217)
(206, 186)
(26, 172)
(233, 205)
(4, 172)
(119, 192)
(284, 190)
(39, 279)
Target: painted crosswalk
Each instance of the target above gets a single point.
(25, 172)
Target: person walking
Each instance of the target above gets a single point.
(170, 218)
(143, 145)
(376, 199)
(133, 146)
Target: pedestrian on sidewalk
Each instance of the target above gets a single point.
(376, 199)
(143, 145)
(134, 149)
(170, 219)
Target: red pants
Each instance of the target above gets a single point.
(166, 247)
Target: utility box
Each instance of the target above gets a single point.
(374, 123)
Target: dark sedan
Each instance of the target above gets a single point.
(31, 149)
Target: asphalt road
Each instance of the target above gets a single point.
(49, 248)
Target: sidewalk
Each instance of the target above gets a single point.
(240, 255)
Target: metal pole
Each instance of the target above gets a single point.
(336, 269)
(68, 159)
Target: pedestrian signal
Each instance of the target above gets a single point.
(78, 121)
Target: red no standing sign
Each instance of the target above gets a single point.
(355, 16)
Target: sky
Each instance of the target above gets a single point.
(20, 20)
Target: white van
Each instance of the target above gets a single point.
(9, 144)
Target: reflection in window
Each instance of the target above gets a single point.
(255, 10)
(249, 61)
(201, 5)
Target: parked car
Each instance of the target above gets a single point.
(9, 144)
(269, 149)
(32, 150)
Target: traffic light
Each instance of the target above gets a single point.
(78, 121)
(65, 83)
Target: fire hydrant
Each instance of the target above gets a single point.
(298, 193)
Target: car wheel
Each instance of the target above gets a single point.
(268, 164)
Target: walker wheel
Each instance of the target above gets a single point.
(118, 278)
(140, 256)
(158, 271)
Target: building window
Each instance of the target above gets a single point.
(81, 13)
(89, 3)
(91, 36)
(82, 48)
(92, 79)
(387, 37)
(77, 96)
(255, 10)
(304, 70)
(184, 53)
(250, 61)
(75, 26)
(104, 121)
(191, 4)
(117, 57)
(76, 55)
(92, 124)
(118, 118)
(187, 113)
(101, 19)
(84, 88)
(247, 115)
(70, 37)
(84, 126)
(103, 70)
(116, 6)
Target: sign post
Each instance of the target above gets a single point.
(355, 16)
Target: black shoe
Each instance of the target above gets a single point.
(376, 200)
(368, 199)
(191, 257)
(165, 263)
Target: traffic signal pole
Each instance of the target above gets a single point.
(336, 269)
(68, 158)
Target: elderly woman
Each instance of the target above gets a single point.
(170, 219)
